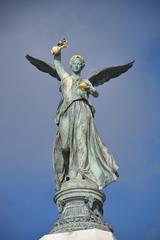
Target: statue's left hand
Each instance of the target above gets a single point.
(84, 85)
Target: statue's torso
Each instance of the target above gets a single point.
(71, 92)
(70, 89)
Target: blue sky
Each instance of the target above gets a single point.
(127, 117)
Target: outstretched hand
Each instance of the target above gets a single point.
(61, 44)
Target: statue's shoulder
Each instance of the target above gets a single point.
(65, 76)
(66, 79)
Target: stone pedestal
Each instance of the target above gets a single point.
(80, 216)
(90, 234)
(79, 209)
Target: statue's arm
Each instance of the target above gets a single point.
(59, 68)
(56, 51)
(86, 85)
(92, 90)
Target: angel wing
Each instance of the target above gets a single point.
(106, 74)
(43, 66)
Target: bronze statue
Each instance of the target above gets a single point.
(79, 153)
(83, 164)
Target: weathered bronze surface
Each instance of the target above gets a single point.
(80, 208)
(83, 165)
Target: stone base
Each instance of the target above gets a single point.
(90, 234)
(79, 209)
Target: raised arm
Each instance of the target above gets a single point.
(56, 51)
(59, 68)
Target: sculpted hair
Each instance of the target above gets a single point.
(74, 57)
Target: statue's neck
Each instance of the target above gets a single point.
(76, 75)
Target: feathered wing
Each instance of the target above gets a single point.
(106, 74)
(43, 66)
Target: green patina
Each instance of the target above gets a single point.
(79, 156)
(82, 164)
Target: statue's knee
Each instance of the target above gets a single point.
(65, 148)
(64, 145)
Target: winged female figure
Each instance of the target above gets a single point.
(79, 156)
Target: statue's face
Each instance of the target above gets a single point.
(76, 65)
